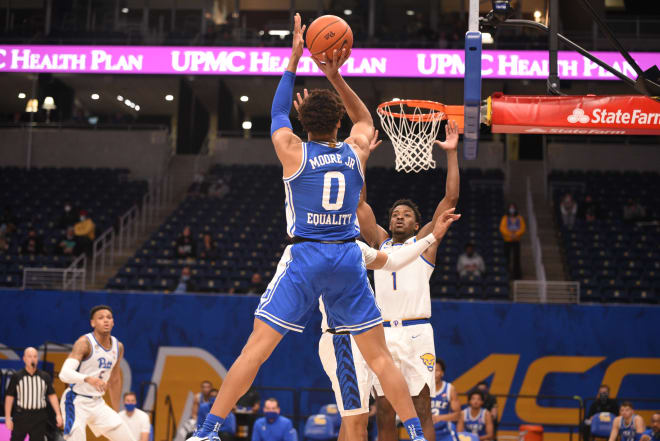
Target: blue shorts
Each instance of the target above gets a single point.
(336, 273)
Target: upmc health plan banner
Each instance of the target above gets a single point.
(410, 63)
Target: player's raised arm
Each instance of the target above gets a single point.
(450, 146)
(281, 130)
(406, 255)
(363, 124)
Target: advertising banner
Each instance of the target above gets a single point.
(410, 63)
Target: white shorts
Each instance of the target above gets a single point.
(79, 411)
(349, 373)
(413, 350)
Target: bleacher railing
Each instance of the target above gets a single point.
(536, 291)
(128, 228)
(69, 278)
(103, 252)
(537, 253)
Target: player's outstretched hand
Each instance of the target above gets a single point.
(331, 67)
(299, 99)
(98, 384)
(451, 140)
(375, 142)
(443, 223)
(298, 41)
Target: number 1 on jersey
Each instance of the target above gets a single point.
(394, 281)
(327, 185)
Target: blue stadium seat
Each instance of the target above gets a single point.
(601, 424)
(331, 411)
(319, 428)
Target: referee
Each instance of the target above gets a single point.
(30, 387)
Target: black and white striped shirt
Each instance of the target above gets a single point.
(30, 391)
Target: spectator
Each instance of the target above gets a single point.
(588, 210)
(228, 428)
(470, 263)
(8, 221)
(185, 283)
(634, 211)
(136, 420)
(475, 418)
(653, 434)
(5, 240)
(628, 425)
(85, 232)
(67, 246)
(273, 426)
(219, 188)
(185, 245)
(512, 227)
(490, 403)
(33, 244)
(568, 209)
(209, 248)
(203, 396)
(68, 217)
(257, 286)
(602, 403)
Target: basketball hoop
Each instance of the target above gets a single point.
(412, 126)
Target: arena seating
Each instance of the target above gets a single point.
(36, 200)
(248, 225)
(614, 260)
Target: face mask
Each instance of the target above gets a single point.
(512, 211)
(82, 218)
(185, 278)
(67, 208)
(603, 396)
(129, 407)
(271, 416)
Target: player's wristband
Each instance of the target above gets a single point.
(430, 238)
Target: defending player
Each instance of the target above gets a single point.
(349, 374)
(322, 179)
(445, 407)
(404, 296)
(92, 368)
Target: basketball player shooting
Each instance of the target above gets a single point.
(91, 369)
(322, 179)
(404, 296)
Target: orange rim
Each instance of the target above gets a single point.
(439, 108)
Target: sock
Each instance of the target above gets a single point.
(414, 428)
(212, 423)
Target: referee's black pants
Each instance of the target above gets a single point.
(32, 422)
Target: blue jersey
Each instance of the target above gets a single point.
(441, 405)
(475, 425)
(655, 436)
(627, 432)
(322, 196)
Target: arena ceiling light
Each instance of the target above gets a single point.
(487, 38)
(120, 98)
(347, 12)
(95, 96)
(137, 107)
(21, 96)
(169, 97)
(537, 16)
(247, 125)
(410, 12)
(245, 98)
(279, 32)
(124, 10)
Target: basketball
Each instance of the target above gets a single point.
(326, 34)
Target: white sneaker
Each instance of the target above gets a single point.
(210, 437)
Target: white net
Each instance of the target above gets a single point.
(412, 130)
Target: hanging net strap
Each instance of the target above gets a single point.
(412, 126)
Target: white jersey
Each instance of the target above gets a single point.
(98, 364)
(368, 255)
(405, 294)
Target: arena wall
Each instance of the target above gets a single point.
(574, 156)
